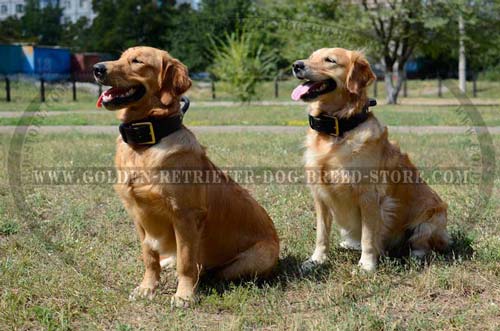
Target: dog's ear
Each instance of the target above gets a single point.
(360, 74)
(174, 79)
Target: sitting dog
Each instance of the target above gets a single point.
(196, 226)
(344, 135)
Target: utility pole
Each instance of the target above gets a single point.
(462, 66)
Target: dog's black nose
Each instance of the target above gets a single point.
(298, 65)
(99, 70)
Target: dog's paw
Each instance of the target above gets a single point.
(178, 301)
(310, 265)
(367, 265)
(142, 292)
(418, 253)
(319, 256)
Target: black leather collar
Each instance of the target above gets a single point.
(335, 126)
(151, 130)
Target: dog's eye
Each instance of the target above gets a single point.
(329, 59)
(136, 61)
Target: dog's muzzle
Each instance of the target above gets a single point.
(99, 70)
(298, 69)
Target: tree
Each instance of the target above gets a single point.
(41, 25)
(122, 24)
(78, 35)
(10, 30)
(240, 62)
(295, 28)
(194, 29)
(398, 27)
(469, 35)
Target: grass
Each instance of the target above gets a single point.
(72, 264)
(279, 115)
(59, 96)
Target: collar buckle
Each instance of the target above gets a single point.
(336, 127)
(151, 132)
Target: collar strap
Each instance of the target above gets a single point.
(151, 130)
(335, 126)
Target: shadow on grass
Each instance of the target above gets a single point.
(461, 246)
(460, 249)
(289, 268)
(287, 271)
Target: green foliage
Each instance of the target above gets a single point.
(291, 29)
(37, 25)
(10, 30)
(122, 24)
(77, 35)
(482, 42)
(193, 28)
(240, 62)
(491, 74)
(41, 25)
(302, 27)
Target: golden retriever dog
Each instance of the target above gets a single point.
(194, 226)
(373, 216)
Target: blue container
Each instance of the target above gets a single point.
(48, 63)
(28, 67)
(52, 63)
(11, 59)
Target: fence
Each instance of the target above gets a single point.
(42, 83)
(277, 89)
(439, 88)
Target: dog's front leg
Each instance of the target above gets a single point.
(323, 229)
(371, 223)
(187, 233)
(151, 278)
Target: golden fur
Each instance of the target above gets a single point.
(195, 227)
(372, 217)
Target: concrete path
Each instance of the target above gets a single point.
(94, 129)
(16, 114)
(426, 102)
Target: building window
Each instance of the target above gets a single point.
(68, 5)
(19, 8)
(82, 3)
(3, 9)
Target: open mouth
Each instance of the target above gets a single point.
(120, 96)
(311, 90)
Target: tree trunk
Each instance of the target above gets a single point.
(389, 88)
(462, 79)
(392, 88)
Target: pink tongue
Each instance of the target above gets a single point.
(300, 91)
(99, 101)
(111, 91)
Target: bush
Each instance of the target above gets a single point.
(240, 62)
(491, 74)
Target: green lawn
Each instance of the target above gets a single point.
(282, 115)
(72, 264)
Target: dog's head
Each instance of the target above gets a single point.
(331, 72)
(141, 79)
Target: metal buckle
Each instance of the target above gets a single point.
(151, 133)
(337, 127)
